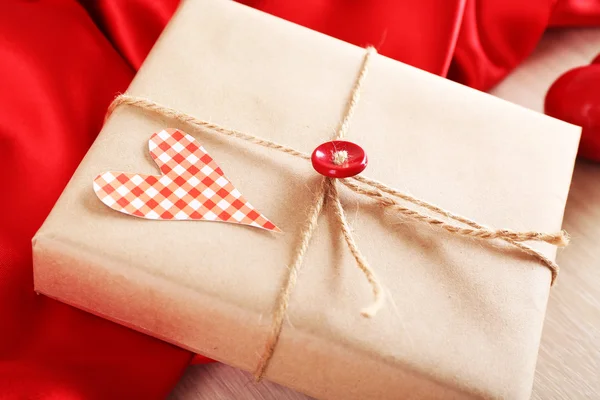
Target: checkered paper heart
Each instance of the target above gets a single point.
(192, 187)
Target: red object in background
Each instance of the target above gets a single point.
(420, 33)
(576, 13)
(62, 63)
(475, 42)
(575, 97)
(495, 37)
(57, 76)
(131, 26)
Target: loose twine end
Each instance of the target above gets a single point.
(373, 309)
(563, 239)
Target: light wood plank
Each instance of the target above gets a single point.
(221, 382)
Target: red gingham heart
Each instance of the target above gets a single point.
(191, 187)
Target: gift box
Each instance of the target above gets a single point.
(462, 317)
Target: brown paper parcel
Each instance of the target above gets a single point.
(463, 317)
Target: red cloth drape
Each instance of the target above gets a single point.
(61, 63)
(58, 73)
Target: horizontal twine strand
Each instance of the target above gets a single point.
(376, 190)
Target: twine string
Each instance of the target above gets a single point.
(386, 196)
(282, 302)
(327, 189)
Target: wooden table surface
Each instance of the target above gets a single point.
(569, 359)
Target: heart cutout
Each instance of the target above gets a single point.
(192, 187)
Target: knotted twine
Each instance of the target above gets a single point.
(384, 195)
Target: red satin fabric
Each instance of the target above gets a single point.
(421, 33)
(58, 73)
(576, 13)
(62, 63)
(132, 26)
(495, 37)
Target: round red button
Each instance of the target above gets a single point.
(575, 97)
(339, 159)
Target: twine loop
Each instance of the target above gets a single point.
(387, 197)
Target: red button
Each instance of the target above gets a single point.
(339, 159)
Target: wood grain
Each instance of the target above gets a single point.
(569, 360)
(222, 382)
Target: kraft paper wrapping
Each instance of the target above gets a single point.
(463, 317)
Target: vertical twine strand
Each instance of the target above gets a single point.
(327, 188)
(355, 95)
(290, 280)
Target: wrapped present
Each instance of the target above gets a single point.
(459, 317)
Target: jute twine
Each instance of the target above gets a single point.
(386, 196)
